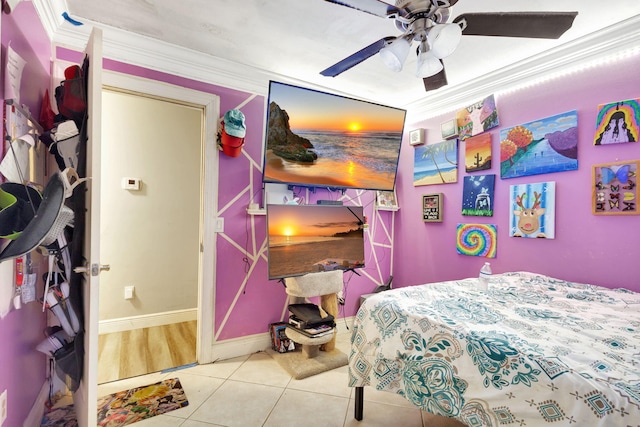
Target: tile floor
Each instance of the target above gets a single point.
(255, 391)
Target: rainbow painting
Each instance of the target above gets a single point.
(477, 240)
(617, 122)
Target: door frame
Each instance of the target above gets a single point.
(209, 194)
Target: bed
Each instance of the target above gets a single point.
(531, 351)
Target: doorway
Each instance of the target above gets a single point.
(151, 193)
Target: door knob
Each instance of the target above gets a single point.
(95, 269)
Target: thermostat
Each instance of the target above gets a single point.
(131, 183)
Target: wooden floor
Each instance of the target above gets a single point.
(142, 351)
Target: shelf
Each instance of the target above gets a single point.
(256, 211)
(387, 208)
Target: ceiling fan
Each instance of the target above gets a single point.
(425, 21)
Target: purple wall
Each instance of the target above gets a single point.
(22, 368)
(587, 248)
(245, 301)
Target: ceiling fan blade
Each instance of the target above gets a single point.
(356, 58)
(436, 81)
(374, 7)
(543, 25)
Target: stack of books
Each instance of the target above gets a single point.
(310, 320)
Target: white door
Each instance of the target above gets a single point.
(85, 398)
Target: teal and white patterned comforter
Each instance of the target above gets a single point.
(532, 351)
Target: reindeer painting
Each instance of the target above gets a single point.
(533, 210)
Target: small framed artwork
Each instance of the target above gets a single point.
(449, 129)
(432, 207)
(615, 188)
(416, 137)
(386, 201)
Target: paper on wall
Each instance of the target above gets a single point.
(13, 75)
(15, 164)
(6, 286)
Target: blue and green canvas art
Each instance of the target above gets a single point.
(478, 195)
(436, 163)
(542, 146)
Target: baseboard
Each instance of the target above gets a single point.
(237, 347)
(146, 321)
(34, 419)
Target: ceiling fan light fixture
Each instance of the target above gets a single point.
(428, 64)
(444, 39)
(395, 53)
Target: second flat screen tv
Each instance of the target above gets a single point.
(312, 238)
(317, 139)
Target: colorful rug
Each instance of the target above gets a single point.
(129, 406)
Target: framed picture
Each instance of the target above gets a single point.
(477, 240)
(614, 189)
(543, 146)
(477, 153)
(478, 195)
(432, 207)
(477, 118)
(386, 201)
(617, 122)
(449, 129)
(532, 210)
(436, 163)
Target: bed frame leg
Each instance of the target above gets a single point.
(359, 403)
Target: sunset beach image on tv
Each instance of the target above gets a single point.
(319, 139)
(306, 239)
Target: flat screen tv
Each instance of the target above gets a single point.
(305, 239)
(318, 139)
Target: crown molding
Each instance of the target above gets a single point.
(150, 53)
(135, 49)
(578, 54)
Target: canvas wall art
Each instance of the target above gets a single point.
(478, 195)
(618, 122)
(615, 188)
(436, 163)
(543, 146)
(477, 151)
(477, 118)
(477, 240)
(532, 210)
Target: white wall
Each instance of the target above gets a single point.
(150, 237)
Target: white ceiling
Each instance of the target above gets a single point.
(296, 39)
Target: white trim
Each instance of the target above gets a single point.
(580, 53)
(34, 418)
(142, 51)
(146, 321)
(237, 347)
